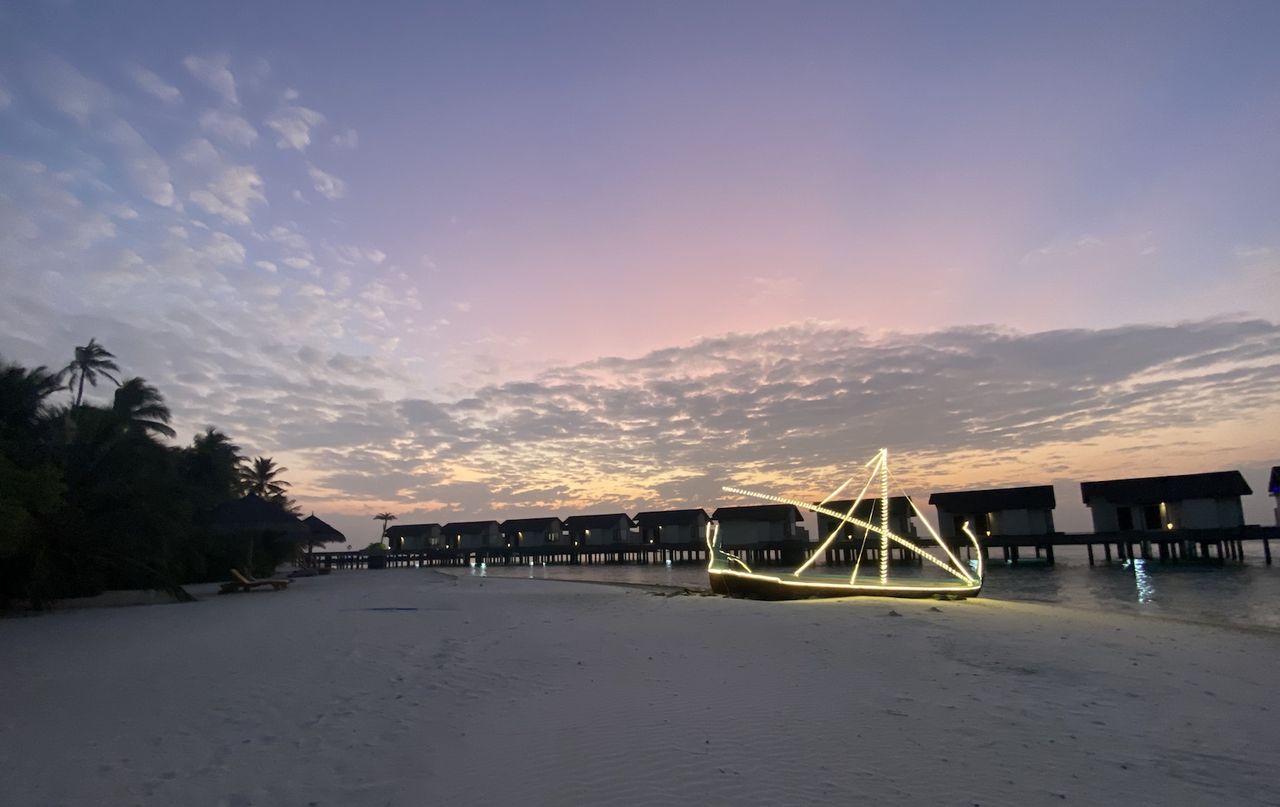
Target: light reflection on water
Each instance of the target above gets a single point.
(1240, 594)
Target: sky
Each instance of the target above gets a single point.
(473, 260)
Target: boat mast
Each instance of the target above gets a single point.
(884, 516)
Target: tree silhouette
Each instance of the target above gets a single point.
(384, 518)
(262, 478)
(91, 361)
(141, 407)
(213, 464)
(23, 393)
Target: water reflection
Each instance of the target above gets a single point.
(1146, 591)
(1243, 594)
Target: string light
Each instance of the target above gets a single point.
(966, 582)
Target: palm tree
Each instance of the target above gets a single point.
(23, 393)
(91, 361)
(214, 462)
(262, 478)
(384, 518)
(141, 407)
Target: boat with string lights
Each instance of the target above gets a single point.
(946, 576)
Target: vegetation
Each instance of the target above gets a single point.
(384, 518)
(261, 478)
(91, 499)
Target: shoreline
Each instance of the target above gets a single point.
(1126, 612)
(126, 599)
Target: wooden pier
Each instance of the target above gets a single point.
(1172, 546)
(503, 556)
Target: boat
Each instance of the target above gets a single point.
(951, 578)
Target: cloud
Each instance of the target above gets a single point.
(222, 248)
(327, 185)
(1245, 252)
(232, 194)
(148, 172)
(790, 406)
(6, 97)
(293, 124)
(352, 255)
(214, 73)
(289, 236)
(69, 92)
(152, 84)
(348, 139)
(230, 190)
(89, 103)
(229, 127)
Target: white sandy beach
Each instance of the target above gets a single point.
(509, 691)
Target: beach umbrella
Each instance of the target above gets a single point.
(254, 516)
(321, 532)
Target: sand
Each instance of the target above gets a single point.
(408, 687)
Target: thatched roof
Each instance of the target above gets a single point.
(256, 513)
(322, 532)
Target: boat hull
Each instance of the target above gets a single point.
(768, 587)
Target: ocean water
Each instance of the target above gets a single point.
(1243, 594)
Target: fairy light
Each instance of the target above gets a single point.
(868, 588)
(898, 539)
(937, 538)
(839, 524)
(973, 539)
(713, 549)
(884, 516)
(966, 583)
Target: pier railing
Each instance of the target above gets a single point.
(1212, 545)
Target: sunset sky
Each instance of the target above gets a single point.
(474, 260)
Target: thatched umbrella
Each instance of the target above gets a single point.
(321, 532)
(255, 516)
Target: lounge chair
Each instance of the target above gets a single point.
(241, 582)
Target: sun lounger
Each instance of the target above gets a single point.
(241, 582)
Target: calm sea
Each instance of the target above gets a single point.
(1244, 594)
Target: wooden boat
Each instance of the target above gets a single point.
(758, 586)
(731, 576)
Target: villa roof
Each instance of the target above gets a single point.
(669, 518)
(1034, 497)
(543, 523)
(758, 512)
(468, 527)
(1156, 489)
(897, 506)
(601, 521)
(412, 530)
